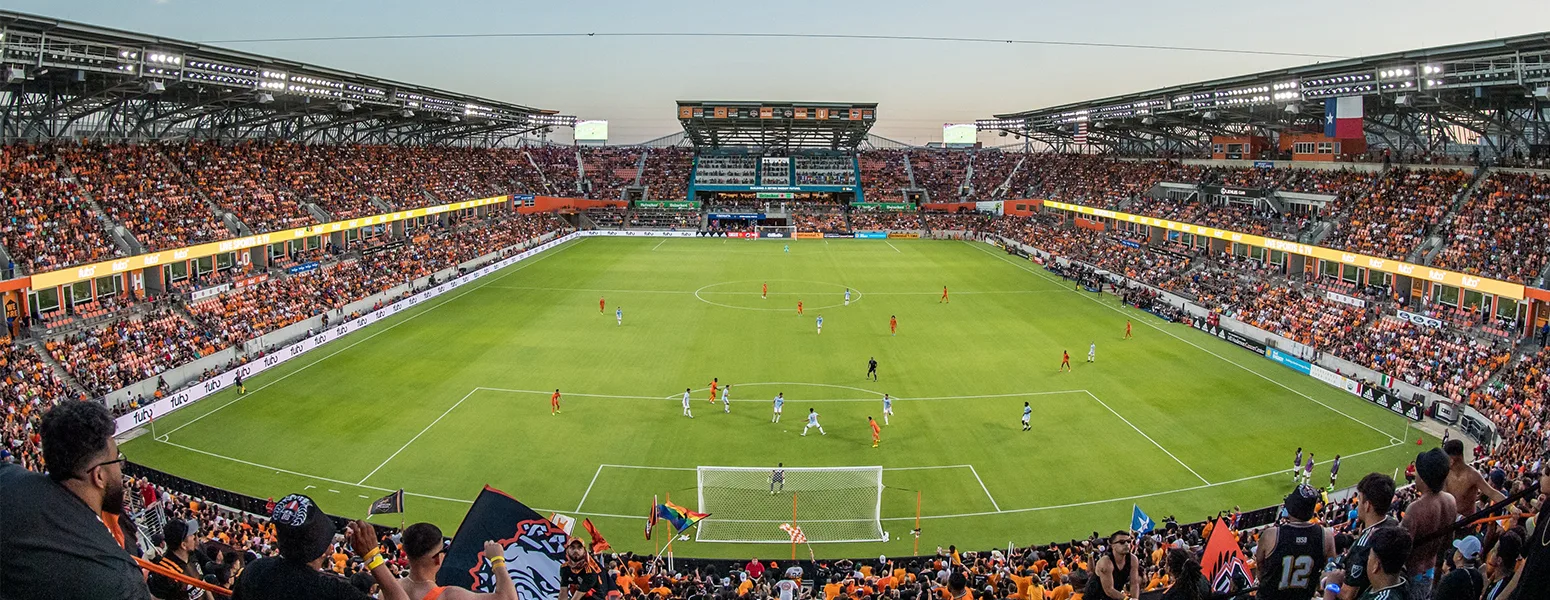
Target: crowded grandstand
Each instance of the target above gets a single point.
(147, 272)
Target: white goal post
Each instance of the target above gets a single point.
(785, 232)
(832, 504)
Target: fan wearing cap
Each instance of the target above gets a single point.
(1290, 556)
(182, 539)
(580, 574)
(1429, 514)
(427, 549)
(303, 534)
(1464, 581)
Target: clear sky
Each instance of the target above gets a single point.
(919, 85)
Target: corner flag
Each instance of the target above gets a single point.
(1139, 522)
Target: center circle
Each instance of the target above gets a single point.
(781, 294)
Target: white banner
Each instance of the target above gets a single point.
(1344, 299)
(208, 292)
(633, 233)
(1351, 386)
(199, 391)
(1421, 320)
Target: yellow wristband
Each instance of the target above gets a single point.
(376, 561)
(370, 554)
(501, 560)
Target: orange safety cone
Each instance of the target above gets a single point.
(1418, 441)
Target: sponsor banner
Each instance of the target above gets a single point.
(280, 355)
(1129, 243)
(1344, 299)
(523, 197)
(894, 206)
(1233, 192)
(669, 204)
(141, 261)
(1391, 400)
(303, 268)
(736, 216)
(773, 234)
(808, 235)
(1419, 272)
(395, 244)
(989, 207)
(872, 235)
(633, 233)
(1243, 342)
(208, 292)
(837, 235)
(904, 236)
(1420, 320)
(1351, 386)
(742, 234)
(1289, 361)
(1264, 164)
(242, 282)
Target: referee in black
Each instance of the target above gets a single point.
(871, 368)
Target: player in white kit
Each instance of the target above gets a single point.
(887, 408)
(780, 403)
(820, 324)
(686, 404)
(847, 296)
(812, 421)
(1027, 417)
(1092, 352)
(726, 399)
(619, 315)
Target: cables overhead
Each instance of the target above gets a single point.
(751, 35)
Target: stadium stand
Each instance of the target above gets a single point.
(140, 190)
(884, 175)
(1500, 230)
(50, 225)
(991, 169)
(235, 178)
(666, 175)
(940, 172)
(1406, 207)
(609, 171)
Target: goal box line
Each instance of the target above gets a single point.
(838, 496)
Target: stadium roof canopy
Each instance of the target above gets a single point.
(777, 126)
(1497, 90)
(71, 80)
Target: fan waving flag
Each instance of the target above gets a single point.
(1224, 563)
(651, 517)
(681, 518)
(598, 543)
(391, 503)
(534, 548)
(1139, 522)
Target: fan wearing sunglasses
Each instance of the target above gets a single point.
(427, 549)
(55, 543)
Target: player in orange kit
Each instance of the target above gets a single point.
(893, 324)
(1127, 329)
(944, 296)
(765, 292)
(554, 402)
(1065, 360)
(877, 432)
(799, 307)
(600, 302)
(714, 383)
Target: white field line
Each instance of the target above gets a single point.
(492, 279)
(1148, 438)
(1148, 323)
(987, 490)
(659, 244)
(890, 245)
(589, 488)
(417, 435)
(909, 518)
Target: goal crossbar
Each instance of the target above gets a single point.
(829, 504)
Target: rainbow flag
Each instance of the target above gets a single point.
(681, 518)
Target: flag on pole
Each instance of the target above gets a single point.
(651, 517)
(1139, 522)
(1343, 117)
(1224, 563)
(681, 518)
(533, 548)
(391, 503)
(797, 537)
(598, 543)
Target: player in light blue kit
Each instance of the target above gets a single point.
(1027, 417)
(812, 421)
(847, 296)
(820, 324)
(780, 403)
(887, 408)
(726, 399)
(619, 315)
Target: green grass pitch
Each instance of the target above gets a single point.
(452, 395)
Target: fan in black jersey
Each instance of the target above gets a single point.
(1117, 572)
(1291, 556)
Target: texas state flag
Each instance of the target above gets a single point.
(1343, 117)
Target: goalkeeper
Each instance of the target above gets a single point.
(778, 478)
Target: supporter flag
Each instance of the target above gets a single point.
(1081, 133)
(1224, 562)
(534, 548)
(651, 517)
(564, 522)
(391, 503)
(797, 537)
(1343, 117)
(598, 543)
(1139, 522)
(1386, 380)
(681, 518)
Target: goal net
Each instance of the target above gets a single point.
(776, 231)
(832, 504)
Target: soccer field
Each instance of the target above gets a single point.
(453, 394)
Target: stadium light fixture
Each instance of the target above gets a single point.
(346, 107)
(265, 98)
